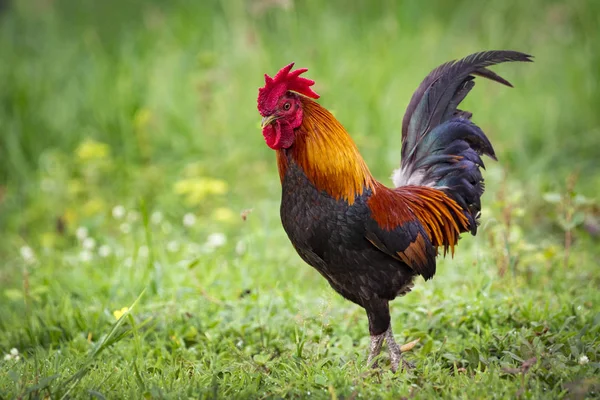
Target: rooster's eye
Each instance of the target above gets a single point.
(287, 106)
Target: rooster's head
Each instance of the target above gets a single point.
(279, 103)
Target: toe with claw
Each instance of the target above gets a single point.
(394, 349)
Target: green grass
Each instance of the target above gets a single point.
(149, 107)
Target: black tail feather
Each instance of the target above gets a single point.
(441, 147)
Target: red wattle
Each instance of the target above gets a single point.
(278, 135)
(272, 136)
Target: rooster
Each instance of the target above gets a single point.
(368, 240)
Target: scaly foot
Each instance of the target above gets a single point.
(396, 352)
(376, 343)
(394, 349)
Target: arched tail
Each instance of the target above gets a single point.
(441, 147)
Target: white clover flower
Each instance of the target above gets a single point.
(81, 233)
(189, 219)
(583, 359)
(172, 246)
(143, 251)
(89, 243)
(240, 247)
(215, 240)
(27, 254)
(104, 251)
(133, 216)
(156, 217)
(12, 355)
(125, 227)
(118, 212)
(85, 256)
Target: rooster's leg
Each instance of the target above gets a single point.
(376, 343)
(378, 312)
(380, 328)
(395, 352)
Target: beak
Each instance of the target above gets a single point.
(267, 120)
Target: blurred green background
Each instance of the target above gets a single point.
(130, 147)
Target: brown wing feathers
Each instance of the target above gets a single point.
(412, 222)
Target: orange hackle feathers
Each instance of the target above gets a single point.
(327, 155)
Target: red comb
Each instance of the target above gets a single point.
(283, 81)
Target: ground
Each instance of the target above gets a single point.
(142, 253)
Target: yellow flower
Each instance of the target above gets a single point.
(196, 189)
(223, 214)
(119, 313)
(90, 149)
(93, 206)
